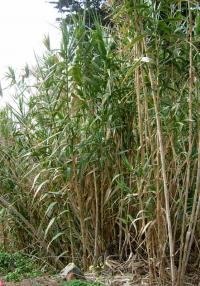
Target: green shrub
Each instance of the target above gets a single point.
(81, 283)
(17, 266)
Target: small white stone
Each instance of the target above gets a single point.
(67, 269)
(146, 59)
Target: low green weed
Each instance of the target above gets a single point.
(16, 266)
(81, 283)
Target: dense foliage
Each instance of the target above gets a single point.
(105, 145)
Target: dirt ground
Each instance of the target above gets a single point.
(109, 280)
(117, 280)
(39, 281)
(116, 274)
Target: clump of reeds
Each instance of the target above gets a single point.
(108, 145)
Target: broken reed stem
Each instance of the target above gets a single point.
(183, 248)
(70, 235)
(96, 219)
(193, 221)
(81, 211)
(138, 88)
(196, 205)
(166, 191)
(154, 87)
(150, 149)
